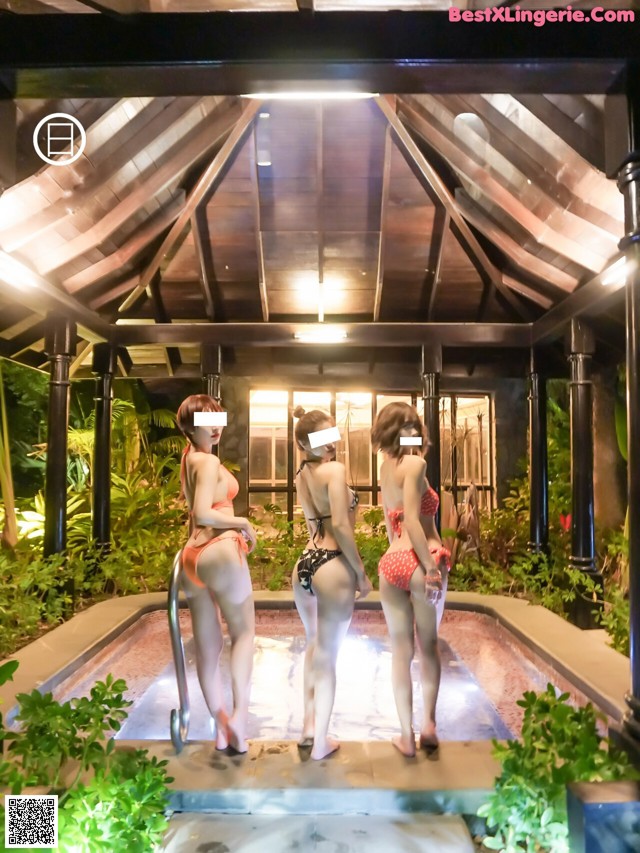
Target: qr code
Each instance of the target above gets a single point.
(31, 820)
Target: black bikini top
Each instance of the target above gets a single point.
(320, 519)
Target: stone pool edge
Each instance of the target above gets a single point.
(582, 657)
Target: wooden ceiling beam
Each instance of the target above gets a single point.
(191, 53)
(136, 244)
(358, 334)
(433, 184)
(431, 280)
(172, 354)
(185, 155)
(208, 282)
(203, 190)
(255, 183)
(20, 283)
(591, 297)
(384, 203)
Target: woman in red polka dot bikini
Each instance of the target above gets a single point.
(414, 570)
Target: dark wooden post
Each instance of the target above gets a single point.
(538, 473)
(59, 347)
(581, 345)
(431, 370)
(211, 366)
(623, 159)
(104, 366)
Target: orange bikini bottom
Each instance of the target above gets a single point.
(191, 554)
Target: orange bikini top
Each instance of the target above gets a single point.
(428, 507)
(232, 484)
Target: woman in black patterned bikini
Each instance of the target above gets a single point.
(327, 575)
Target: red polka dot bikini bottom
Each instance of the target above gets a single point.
(397, 567)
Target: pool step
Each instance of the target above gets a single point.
(369, 777)
(285, 833)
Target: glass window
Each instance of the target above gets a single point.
(353, 419)
(268, 438)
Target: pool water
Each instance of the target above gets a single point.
(484, 670)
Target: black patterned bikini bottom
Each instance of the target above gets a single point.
(310, 561)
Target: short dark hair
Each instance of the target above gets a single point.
(191, 405)
(385, 434)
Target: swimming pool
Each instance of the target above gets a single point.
(485, 670)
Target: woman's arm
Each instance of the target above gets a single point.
(342, 529)
(387, 523)
(207, 473)
(303, 497)
(412, 494)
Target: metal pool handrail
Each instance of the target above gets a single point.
(179, 718)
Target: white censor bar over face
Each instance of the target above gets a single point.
(324, 436)
(209, 418)
(412, 440)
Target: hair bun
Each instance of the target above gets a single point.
(298, 412)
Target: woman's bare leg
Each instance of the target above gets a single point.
(226, 573)
(307, 606)
(240, 620)
(334, 585)
(208, 638)
(426, 616)
(399, 617)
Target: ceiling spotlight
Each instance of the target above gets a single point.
(322, 335)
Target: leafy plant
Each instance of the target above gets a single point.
(560, 744)
(107, 798)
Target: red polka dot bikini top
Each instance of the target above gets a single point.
(428, 507)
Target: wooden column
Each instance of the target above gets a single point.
(59, 347)
(104, 366)
(581, 346)
(211, 366)
(431, 370)
(538, 473)
(623, 156)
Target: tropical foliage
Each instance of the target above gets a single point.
(527, 811)
(107, 798)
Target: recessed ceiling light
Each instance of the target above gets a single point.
(321, 335)
(311, 96)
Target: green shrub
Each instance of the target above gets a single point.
(559, 745)
(116, 800)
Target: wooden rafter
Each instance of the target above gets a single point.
(136, 244)
(21, 283)
(208, 283)
(202, 190)
(433, 183)
(591, 297)
(255, 183)
(431, 279)
(172, 354)
(384, 202)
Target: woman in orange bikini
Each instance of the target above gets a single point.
(326, 576)
(413, 572)
(215, 574)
